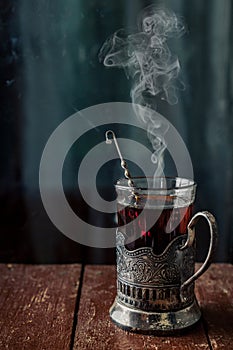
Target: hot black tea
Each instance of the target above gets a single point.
(171, 223)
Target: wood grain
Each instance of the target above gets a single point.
(96, 331)
(37, 306)
(215, 293)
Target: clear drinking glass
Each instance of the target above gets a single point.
(166, 203)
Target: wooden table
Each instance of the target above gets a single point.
(66, 307)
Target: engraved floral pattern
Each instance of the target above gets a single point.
(142, 266)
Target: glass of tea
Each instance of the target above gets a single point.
(155, 211)
(156, 254)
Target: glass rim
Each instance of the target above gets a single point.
(122, 183)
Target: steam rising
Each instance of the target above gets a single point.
(148, 61)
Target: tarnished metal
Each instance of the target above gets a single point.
(155, 293)
(163, 323)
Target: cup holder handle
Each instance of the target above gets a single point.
(212, 246)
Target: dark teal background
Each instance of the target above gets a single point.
(50, 69)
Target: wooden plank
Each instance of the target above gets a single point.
(37, 306)
(215, 293)
(96, 331)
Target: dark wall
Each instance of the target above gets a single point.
(50, 69)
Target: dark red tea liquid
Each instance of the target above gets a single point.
(160, 234)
